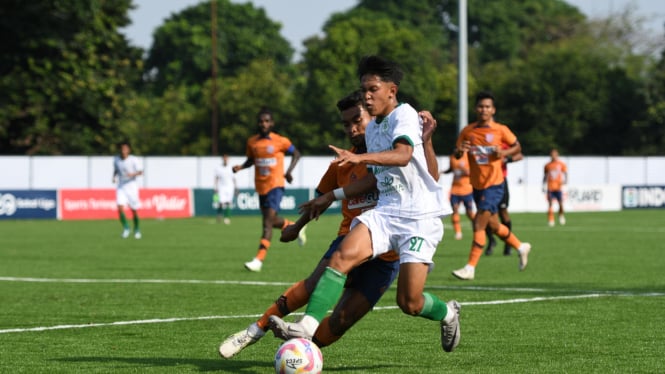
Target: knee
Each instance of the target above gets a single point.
(410, 305)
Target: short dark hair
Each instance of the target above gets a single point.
(387, 70)
(355, 98)
(482, 95)
(124, 142)
(264, 110)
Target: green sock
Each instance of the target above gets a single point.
(227, 212)
(123, 220)
(326, 293)
(136, 221)
(434, 308)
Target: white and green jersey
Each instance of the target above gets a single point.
(122, 168)
(408, 191)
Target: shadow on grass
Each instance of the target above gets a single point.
(203, 365)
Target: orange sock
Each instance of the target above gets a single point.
(294, 298)
(456, 223)
(479, 238)
(286, 223)
(550, 215)
(323, 336)
(507, 236)
(263, 249)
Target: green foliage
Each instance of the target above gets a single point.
(71, 84)
(64, 71)
(181, 52)
(240, 98)
(330, 65)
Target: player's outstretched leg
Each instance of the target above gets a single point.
(240, 340)
(450, 331)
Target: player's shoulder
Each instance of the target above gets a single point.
(500, 126)
(277, 137)
(404, 110)
(253, 139)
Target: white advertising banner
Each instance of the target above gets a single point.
(583, 198)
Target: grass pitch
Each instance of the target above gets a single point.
(76, 298)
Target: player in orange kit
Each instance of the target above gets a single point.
(369, 281)
(504, 216)
(482, 141)
(461, 191)
(266, 151)
(556, 175)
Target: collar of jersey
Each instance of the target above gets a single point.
(378, 119)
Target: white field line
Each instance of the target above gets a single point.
(169, 320)
(166, 281)
(276, 284)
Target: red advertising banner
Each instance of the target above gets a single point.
(100, 203)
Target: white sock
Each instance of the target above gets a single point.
(310, 324)
(255, 331)
(450, 314)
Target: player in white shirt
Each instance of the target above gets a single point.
(225, 190)
(407, 217)
(126, 167)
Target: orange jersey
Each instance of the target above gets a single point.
(268, 155)
(339, 176)
(555, 172)
(484, 164)
(461, 180)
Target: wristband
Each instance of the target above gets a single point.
(339, 193)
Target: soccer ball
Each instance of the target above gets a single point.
(298, 356)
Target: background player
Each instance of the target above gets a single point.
(504, 216)
(556, 175)
(482, 141)
(225, 190)
(266, 151)
(461, 192)
(126, 167)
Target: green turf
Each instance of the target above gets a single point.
(590, 301)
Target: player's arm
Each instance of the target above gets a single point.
(461, 146)
(511, 151)
(295, 157)
(429, 125)
(400, 155)
(514, 158)
(318, 205)
(328, 182)
(248, 162)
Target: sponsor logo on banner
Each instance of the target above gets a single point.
(250, 201)
(28, 204)
(638, 197)
(101, 203)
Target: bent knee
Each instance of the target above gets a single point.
(410, 306)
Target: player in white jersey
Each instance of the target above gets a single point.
(225, 190)
(126, 167)
(407, 216)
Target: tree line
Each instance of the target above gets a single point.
(72, 84)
